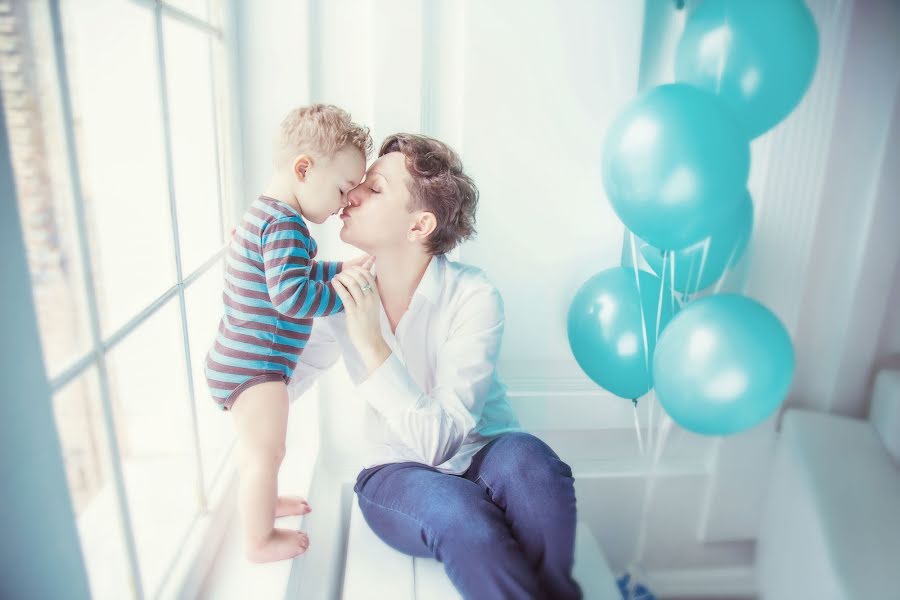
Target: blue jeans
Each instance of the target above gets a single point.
(504, 529)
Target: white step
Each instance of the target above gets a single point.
(831, 527)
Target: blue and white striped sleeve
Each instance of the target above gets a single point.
(293, 291)
(325, 270)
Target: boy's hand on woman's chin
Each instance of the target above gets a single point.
(365, 261)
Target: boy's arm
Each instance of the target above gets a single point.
(288, 267)
(325, 270)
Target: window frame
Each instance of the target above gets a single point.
(212, 497)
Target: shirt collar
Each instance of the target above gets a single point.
(432, 280)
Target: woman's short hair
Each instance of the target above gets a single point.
(437, 185)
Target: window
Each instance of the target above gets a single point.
(118, 113)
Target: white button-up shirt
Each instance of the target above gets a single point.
(436, 399)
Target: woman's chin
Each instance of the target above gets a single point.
(346, 236)
(351, 240)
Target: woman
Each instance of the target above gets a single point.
(448, 474)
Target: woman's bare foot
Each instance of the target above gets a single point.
(281, 544)
(291, 505)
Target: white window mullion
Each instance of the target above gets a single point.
(82, 364)
(216, 142)
(92, 306)
(177, 14)
(182, 306)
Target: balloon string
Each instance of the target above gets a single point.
(651, 435)
(637, 426)
(672, 279)
(703, 256)
(690, 275)
(662, 289)
(637, 281)
(728, 266)
(672, 300)
(634, 566)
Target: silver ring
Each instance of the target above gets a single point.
(366, 287)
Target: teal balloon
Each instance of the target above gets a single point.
(674, 161)
(758, 56)
(723, 365)
(605, 331)
(723, 249)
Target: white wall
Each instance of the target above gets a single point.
(542, 84)
(839, 300)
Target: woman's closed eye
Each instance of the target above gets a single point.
(370, 183)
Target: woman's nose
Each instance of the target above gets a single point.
(353, 198)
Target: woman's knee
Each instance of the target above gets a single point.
(527, 456)
(470, 525)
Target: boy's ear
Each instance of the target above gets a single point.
(301, 165)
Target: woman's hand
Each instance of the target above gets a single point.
(355, 286)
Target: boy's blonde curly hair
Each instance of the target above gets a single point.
(321, 130)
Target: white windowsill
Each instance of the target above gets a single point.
(211, 556)
(102, 537)
(220, 571)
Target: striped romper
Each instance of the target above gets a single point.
(273, 289)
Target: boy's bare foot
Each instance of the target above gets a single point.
(291, 505)
(281, 545)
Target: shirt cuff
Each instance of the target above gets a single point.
(390, 389)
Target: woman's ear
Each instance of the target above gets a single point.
(422, 227)
(301, 166)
